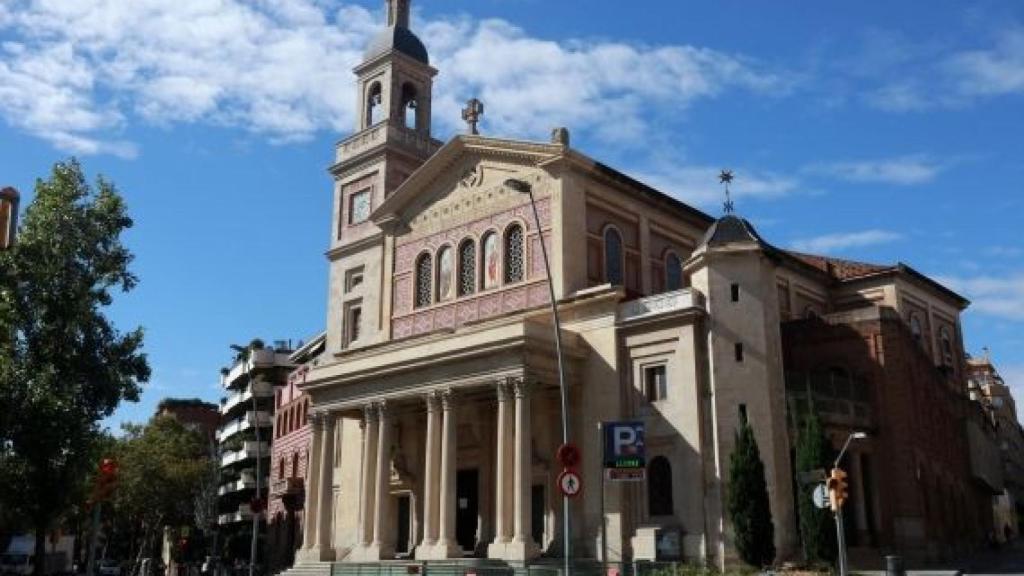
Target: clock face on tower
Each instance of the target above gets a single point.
(359, 207)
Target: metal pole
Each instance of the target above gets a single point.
(561, 370)
(841, 534)
(91, 562)
(604, 519)
(256, 426)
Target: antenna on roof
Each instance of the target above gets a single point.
(725, 177)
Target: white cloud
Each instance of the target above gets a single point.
(832, 243)
(698, 185)
(991, 72)
(903, 171)
(1001, 296)
(77, 73)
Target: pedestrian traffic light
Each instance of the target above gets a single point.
(838, 490)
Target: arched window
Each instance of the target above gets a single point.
(514, 254)
(423, 280)
(295, 464)
(409, 106)
(445, 274)
(374, 99)
(467, 267)
(491, 271)
(612, 257)
(946, 345)
(659, 488)
(915, 328)
(673, 272)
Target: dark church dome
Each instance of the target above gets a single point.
(399, 39)
(729, 229)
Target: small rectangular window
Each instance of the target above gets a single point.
(655, 383)
(352, 322)
(735, 289)
(739, 351)
(353, 278)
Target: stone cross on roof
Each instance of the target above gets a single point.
(471, 114)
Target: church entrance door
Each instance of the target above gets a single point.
(467, 508)
(403, 526)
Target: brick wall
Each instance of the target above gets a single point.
(927, 500)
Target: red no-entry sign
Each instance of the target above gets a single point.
(568, 455)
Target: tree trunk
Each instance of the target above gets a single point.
(39, 565)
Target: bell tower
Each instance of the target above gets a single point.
(394, 85)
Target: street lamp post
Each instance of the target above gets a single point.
(840, 528)
(526, 188)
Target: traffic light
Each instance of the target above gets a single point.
(106, 480)
(838, 490)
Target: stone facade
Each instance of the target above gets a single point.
(435, 406)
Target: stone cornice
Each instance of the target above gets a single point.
(339, 252)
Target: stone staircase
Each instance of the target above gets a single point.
(308, 569)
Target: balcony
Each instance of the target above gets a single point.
(659, 305)
(247, 481)
(249, 449)
(287, 487)
(252, 418)
(381, 132)
(243, 513)
(261, 389)
(265, 358)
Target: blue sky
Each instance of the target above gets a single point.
(876, 131)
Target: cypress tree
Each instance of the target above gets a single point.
(748, 505)
(816, 526)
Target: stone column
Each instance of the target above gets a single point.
(502, 453)
(431, 476)
(309, 522)
(447, 545)
(383, 477)
(522, 546)
(368, 481)
(325, 509)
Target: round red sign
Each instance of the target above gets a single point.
(569, 483)
(568, 455)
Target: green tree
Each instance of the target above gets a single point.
(813, 451)
(747, 504)
(164, 468)
(63, 365)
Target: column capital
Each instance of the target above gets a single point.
(504, 387)
(448, 399)
(383, 410)
(433, 400)
(370, 413)
(521, 387)
(316, 420)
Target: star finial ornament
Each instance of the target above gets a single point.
(725, 177)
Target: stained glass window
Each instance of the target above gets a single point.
(673, 272)
(492, 275)
(467, 268)
(445, 270)
(514, 254)
(612, 257)
(423, 273)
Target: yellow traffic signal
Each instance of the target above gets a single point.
(838, 490)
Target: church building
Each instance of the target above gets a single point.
(435, 409)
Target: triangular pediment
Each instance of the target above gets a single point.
(465, 173)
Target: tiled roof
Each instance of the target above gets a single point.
(839, 268)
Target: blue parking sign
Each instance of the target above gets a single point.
(624, 447)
